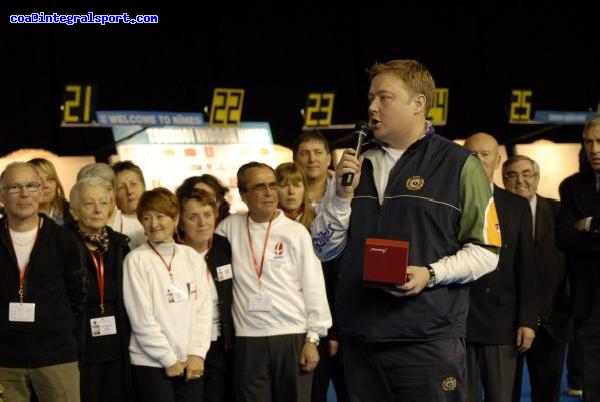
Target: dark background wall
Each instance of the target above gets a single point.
(278, 56)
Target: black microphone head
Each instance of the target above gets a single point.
(361, 128)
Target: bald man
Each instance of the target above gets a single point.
(42, 287)
(503, 304)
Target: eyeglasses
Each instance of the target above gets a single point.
(17, 188)
(261, 188)
(526, 175)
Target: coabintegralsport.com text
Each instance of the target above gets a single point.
(89, 18)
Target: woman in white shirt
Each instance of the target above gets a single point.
(169, 306)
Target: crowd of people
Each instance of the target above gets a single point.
(123, 293)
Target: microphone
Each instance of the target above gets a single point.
(360, 130)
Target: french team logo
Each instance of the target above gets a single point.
(278, 249)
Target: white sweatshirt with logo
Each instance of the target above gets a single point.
(164, 331)
(292, 278)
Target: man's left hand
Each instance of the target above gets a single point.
(309, 357)
(417, 279)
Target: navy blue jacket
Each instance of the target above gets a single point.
(422, 205)
(55, 280)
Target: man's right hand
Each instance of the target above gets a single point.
(348, 164)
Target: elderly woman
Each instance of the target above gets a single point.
(169, 306)
(117, 220)
(53, 203)
(196, 229)
(105, 372)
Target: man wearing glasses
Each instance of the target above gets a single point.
(279, 302)
(521, 176)
(42, 288)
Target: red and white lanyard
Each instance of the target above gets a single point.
(99, 264)
(168, 266)
(23, 269)
(258, 269)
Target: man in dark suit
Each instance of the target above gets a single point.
(545, 359)
(578, 235)
(503, 304)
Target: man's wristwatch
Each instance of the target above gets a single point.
(431, 280)
(313, 339)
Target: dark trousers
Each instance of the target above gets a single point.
(330, 368)
(151, 384)
(545, 361)
(432, 371)
(103, 382)
(491, 370)
(267, 368)
(588, 334)
(574, 371)
(218, 374)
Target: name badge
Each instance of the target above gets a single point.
(175, 294)
(103, 326)
(260, 303)
(224, 272)
(22, 312)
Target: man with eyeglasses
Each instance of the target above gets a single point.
(279, 303)
(545, 359)
(578, 235)
(503, 304)
(42, 286)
